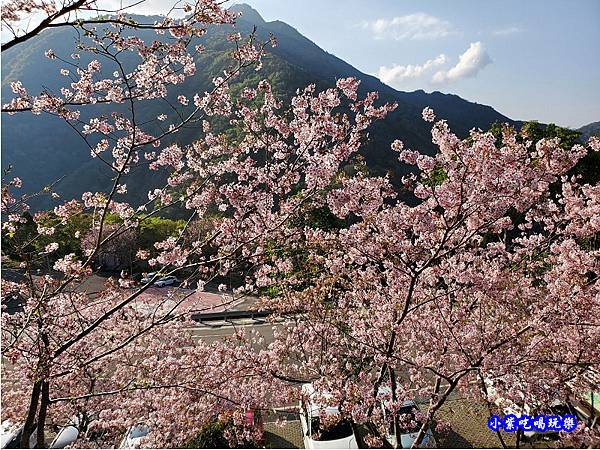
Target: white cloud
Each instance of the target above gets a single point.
(416, 26)
(469, 64)
(506, 31)
(396, 74)
(147, 7)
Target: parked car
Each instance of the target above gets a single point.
(166, 281)
(340, 435)
(66, 436)
(148, 277)
(10, 435)
(587, 403)
(558, 407)
(134, 435)
(408, 433)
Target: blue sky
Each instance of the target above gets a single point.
(535, 59)
(529, 59)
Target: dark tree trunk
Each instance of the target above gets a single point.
(519, 436)
(41, 423)
(29, 424)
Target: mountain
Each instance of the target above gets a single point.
(42, 151)
(589, 130)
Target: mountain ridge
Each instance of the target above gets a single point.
(248, 11)
(589, 130)
(43, 150)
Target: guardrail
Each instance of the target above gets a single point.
(229, 315)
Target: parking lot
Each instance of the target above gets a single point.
(162, 299)
(467, 421)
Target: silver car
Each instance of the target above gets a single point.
(166, 281)
(148, 277)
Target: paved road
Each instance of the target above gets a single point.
(217, 331)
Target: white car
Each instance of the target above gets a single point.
(339, 436)
(408, 434)
(66, 436)
(165, 281)
(507, 406)
(10, 435)
(134, 435)
(148, 277)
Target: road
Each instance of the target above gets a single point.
(217, 331)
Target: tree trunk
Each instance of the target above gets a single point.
(41, 423)
(359, 440)
(29, 424)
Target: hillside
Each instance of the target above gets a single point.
(42, 151)
(589, 130)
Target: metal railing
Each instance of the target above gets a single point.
(229, 315)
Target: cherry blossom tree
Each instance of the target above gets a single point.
(19, 15)
(72, 353)
(116, 253)
(487, 286)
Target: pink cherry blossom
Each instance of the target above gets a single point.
(480, 283)
(52, 247)
(428, 115)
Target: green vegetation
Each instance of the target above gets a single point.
(321, 218)
(213, 432)
(156, 229)
(209, 436)
(435, 178)
(25, 244)
(588, 168)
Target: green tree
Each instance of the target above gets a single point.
(157, 229)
